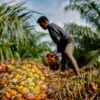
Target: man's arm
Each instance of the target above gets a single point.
(54, 33)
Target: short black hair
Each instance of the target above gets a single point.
(42, 19)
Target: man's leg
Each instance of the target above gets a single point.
(69, 54)
(63, 62)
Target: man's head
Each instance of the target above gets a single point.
(43, 22)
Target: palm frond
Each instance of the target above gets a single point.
(6, 52)
(89, 10)
(94, 58)
(87, 40)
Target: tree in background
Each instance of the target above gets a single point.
(88, 44)
(18, 38)
(88, 39)
(89, 10)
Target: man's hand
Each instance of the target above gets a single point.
(58, 38)
(55, 52)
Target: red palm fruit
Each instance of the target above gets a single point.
(1, 68)
(93, 86)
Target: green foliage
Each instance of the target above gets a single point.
(88, 44)
(93, 58)
(88, 51)
(89, 10)
(34, 48)
(7, 51)
(11, 21)
(16, 28)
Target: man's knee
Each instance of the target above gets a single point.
(68, 54)
(69, 49)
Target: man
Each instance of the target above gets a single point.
(65, 43)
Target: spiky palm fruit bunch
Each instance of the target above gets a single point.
(24, 81)
(51, 60)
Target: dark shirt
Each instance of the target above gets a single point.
(57, 32)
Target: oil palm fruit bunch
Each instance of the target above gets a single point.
(24, 81)
(51, 60)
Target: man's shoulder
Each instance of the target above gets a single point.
(53, 25)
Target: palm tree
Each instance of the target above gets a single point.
(34, 48)
(89, 10)
(11, 31)
(17, 32)
(88, 44)
(87, 39)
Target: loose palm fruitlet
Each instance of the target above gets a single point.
(51, 60)
(23, 80)
(3, 67)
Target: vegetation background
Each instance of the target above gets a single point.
(20, 40)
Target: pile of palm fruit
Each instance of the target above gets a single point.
(84, 87)
(51, 60)
(24, 80)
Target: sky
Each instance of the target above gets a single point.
(54, 10)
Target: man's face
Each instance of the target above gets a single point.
(44, 25)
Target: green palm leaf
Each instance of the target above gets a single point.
(87, 40)
(89, 10)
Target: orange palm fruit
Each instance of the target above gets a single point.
(39, 67)
(3, 83)
(21, 98)
(10, 76)
(43, 96)
(30, 96)
(43, 87)
(24, 91)
(8, 95)
(11, 93)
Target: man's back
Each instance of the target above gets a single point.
(55, 31)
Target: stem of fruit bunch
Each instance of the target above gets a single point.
(68, 90)
(82, 83)
(60, 94)
(55, 97)
(80, 93)
(72, 96)
(64, 94)
(75, 91)
(89, 78)
(99, 79)
(83, 78)
(93, 97)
